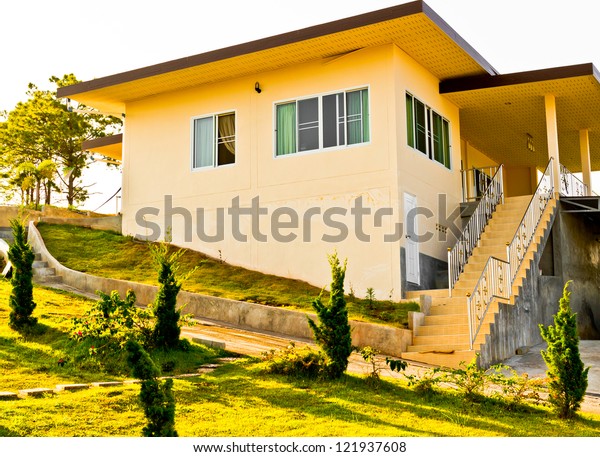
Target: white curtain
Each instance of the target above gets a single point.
(203, 142)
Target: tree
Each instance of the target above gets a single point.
(21, 301)
(568, 377)
(43, 129)
(167, 328)
(157, 398)
(333, 332)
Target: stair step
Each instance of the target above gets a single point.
(40, 264)
(443, 340)
(437, 310)
(37, 256)
(48, 279)
(446, 319)
(438, 330)
(432, 293)
(45, 271)
(447, 360)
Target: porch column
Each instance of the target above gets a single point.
(552, 133)
(586, 168)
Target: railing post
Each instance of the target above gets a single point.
(449, 272)
(470, 321)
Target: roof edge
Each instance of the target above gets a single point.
(339, 25)
(510, 79)
(102, 141)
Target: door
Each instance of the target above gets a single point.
(411, 245)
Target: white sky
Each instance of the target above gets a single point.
(41, 38)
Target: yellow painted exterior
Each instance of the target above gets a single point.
(157, 152)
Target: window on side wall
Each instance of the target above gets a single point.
(322, 122)
(427, 131)
(213, 140)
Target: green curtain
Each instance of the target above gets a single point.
(365, 114)
(286, 129)
(410, 121)
(438, 153)
(446, 129)
(357, 107)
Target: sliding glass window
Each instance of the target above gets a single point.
(322, 122)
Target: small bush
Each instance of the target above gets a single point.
(112, 321)
(469, 379)
(369, 355)
(296, 362)
(516, 389)
(156, 397)
(426, 383)
(332, 333)
(21, 301)
(167, 328)
(567, 374)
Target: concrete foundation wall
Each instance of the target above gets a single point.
(389, 340)
(112, 223)
(577, 258)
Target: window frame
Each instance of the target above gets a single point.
(215, 142)
(429, 134)
(321, 137)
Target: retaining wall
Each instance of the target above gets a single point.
(388, 340)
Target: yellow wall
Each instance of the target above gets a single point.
(157, 162)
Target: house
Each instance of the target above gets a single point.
(374, 135)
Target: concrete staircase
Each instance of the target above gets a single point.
(443, 336)
(6, 234)
(42, 273)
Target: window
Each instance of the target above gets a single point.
(322, 122)
(213, 140)
(427, 131)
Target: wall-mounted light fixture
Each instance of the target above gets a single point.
(257, 88)
(530, 144)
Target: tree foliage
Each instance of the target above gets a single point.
(568, 377)
(40, 145)
(156, 397)
(167, 328)
(112, 321)
(21, 301)
(332, 333)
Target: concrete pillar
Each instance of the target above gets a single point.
(586, 168)
(552, 133)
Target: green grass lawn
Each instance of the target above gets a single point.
(238, 398)
(108, 254)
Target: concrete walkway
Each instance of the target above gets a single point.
(254, 343)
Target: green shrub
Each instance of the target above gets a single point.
(111, 322)
(333, 332)
(516, 389)
(292, 361)
(568, 377)
(21, 301)
(469, 379)
(425, 384)
(369, 355)
(167, 328)
(156, 397)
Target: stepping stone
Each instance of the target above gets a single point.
(107, 384)
(37, 392)
(71, 387)
(8, 396)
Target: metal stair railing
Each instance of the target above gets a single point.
(571, 185)
(498, 275)
(469, 238)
